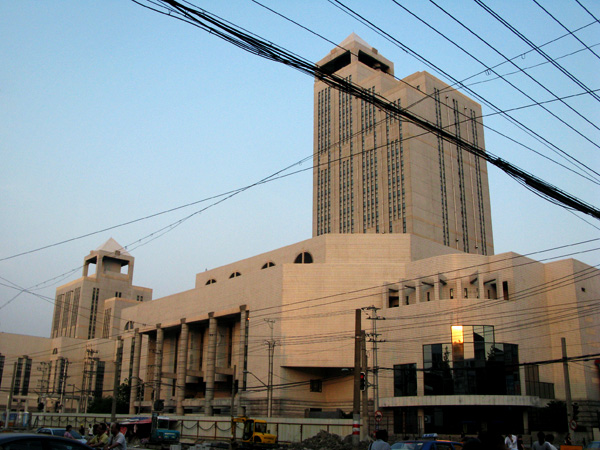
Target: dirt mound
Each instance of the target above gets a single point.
(325, 441)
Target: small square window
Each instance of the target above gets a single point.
(316, 386)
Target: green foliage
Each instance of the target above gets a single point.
(553, 417)
(103, 405)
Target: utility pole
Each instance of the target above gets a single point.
(10, 395)
(373, 338)
(89, 370)
(118, 361)
(364, 364)
(44, 382)
(63, 385)
(568, 400)
(356, 396)
(271, 343)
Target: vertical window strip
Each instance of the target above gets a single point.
(402, 192)
(74, 312)
(26, 375)
(57, 313)
(66, 314)
(2, 359)
(461, 179)
(442, 167)
(480, 202)
(93, 312)
(106, 324)
(18, 375)
(99, 383)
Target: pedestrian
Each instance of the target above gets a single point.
(541, 443)
(117, 440)
(68, 432)
(568, 439)
(520, 442)
(510, 442)
(550, 440)
(94, 439)
(101, 437)
(380, 442)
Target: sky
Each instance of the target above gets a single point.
(111, 113)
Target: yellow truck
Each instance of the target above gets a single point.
(254, 435)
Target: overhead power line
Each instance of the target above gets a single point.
(512, 119)
(521, 36)
(509, 60)
(428, 63)
(257, 46)
(569, 31)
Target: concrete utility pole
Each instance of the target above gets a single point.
(118, 361)
(44, 382)
(63, 386)
(568, 400)
(10, 395)
(373, 335)
(356, 403)
(364, 364)
(271, 343)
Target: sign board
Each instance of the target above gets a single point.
(573, 425)
(378, 416)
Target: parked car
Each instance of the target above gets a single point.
(427, 445)
(60, 432)
(40, 441)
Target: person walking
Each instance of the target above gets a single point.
(510, 442)
(541, 443)
(68, 432)
(117, 439)
(380, 442)
(101, 436)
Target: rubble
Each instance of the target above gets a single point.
(326, 441)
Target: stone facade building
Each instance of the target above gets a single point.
(458, 339)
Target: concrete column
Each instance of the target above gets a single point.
(436, 288)
(499, 286)
(459, 288)
(418, 291)
(401, 295)
(481, 285)
(182, 353)
(525, 422)
(135, 372)
(242, 361)
(160, 337)
(421, 421)
(210, 364)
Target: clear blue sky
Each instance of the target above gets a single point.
(110, 112)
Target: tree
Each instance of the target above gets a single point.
(103, 405)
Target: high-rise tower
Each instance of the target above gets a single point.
(375, 173)
(80, 309)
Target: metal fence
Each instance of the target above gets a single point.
(194, 429)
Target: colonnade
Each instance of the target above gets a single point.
(156, 344)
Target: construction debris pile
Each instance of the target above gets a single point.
(326, 441)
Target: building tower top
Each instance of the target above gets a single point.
(109, 259)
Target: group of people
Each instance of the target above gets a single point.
(101, 439)
(544, 442)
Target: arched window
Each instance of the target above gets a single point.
(268, 264)
(235, 275)
(54, 351)
(211, 281)
(129, 325)
(304, 258)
